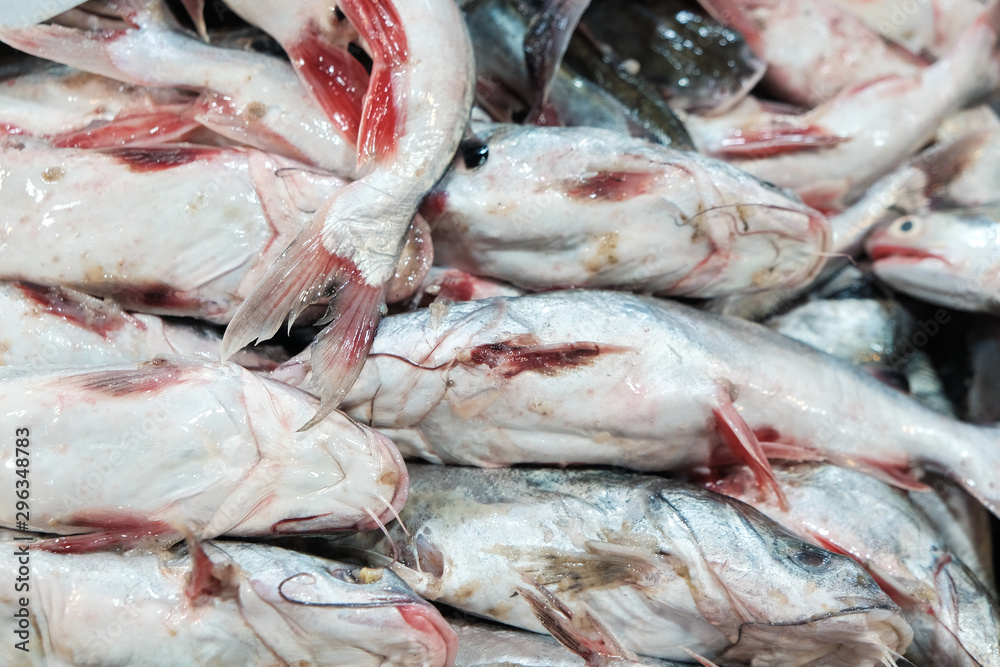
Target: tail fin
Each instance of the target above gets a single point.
(196, 10)
(383, 116)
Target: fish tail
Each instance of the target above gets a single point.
(383, 115)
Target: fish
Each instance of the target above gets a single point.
(219, 456)
(181, 230)
(73, 109)
(812, 49)
(692, 61)
(245, 96)
(415, 112)
(829, 155)
(983, 398)
(605, 378)
(50, 325)
(218, 603)
(663, 565)
(947, 257)
(955, 617)
(546, 208)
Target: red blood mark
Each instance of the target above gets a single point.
(612, 186)
(147, 159)
(152, 297)
(150, 377)
(161, 126)
(777, 141)
(10, 128)
(337, 80)
(383, 115)
(511, 359)
(57, 302)
(879, 251)
(206, 578)
(117, 530)
(434, 205)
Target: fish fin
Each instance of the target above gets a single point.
(944, 162)
(336, 79)
(217, 112)
(734, 14)
(196, 10)
(129, 534)
(786, 452)
(208, 579)
(545, 41)
(770, 141)
(414, 262)
(305, 273)
(383, 115)
(741, 440)
(896, 474)
(86, 50)
(339, 351)
(884, 580)
(700, 659)
(165, 125)
(583, 633)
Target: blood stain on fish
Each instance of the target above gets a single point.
(55, 302)
(611, 186)
(513, 359)
(140, 160)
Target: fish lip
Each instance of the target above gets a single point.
(419, 613)
(881, 252)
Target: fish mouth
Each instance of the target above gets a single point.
(881, 252)
(428, 623)
(865, 635)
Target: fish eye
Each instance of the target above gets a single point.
(904, 226)
(344, 574)
(811, 558)
(474, 153)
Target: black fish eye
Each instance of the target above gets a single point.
(474, 153)
(906, 226)
(811, 559)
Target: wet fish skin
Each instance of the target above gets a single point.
(134, 610)
(955, 617)
(221, 455)
(654, 560)
(950, 258)
(184, 230)
(525, 380)
(583, 207)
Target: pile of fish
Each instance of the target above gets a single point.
(589, 333)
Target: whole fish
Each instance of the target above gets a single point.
(171, 230)
(223, 603)
(49, 325)
(949, 258)
(219, 455)
(607, 378)
(249, 97)
(415, 110)
(544, 208)
(663, 565)
(812, 49)
(70, 108)
(955, 618)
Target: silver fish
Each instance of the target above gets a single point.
(665, 566)
(955, 618)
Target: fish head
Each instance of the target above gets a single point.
(331, 613)
(347, 477)
(947, 257)
(789, 602)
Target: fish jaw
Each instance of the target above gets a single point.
(866, 636)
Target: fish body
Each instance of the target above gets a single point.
(548, 208)
(270, 606)
(954, 616)
(662, 565)
(183, 230)
(220, 455)
(951, 258)
(606, 378)
(49, 325)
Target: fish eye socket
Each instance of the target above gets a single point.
(811, 559)
(474, 153)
